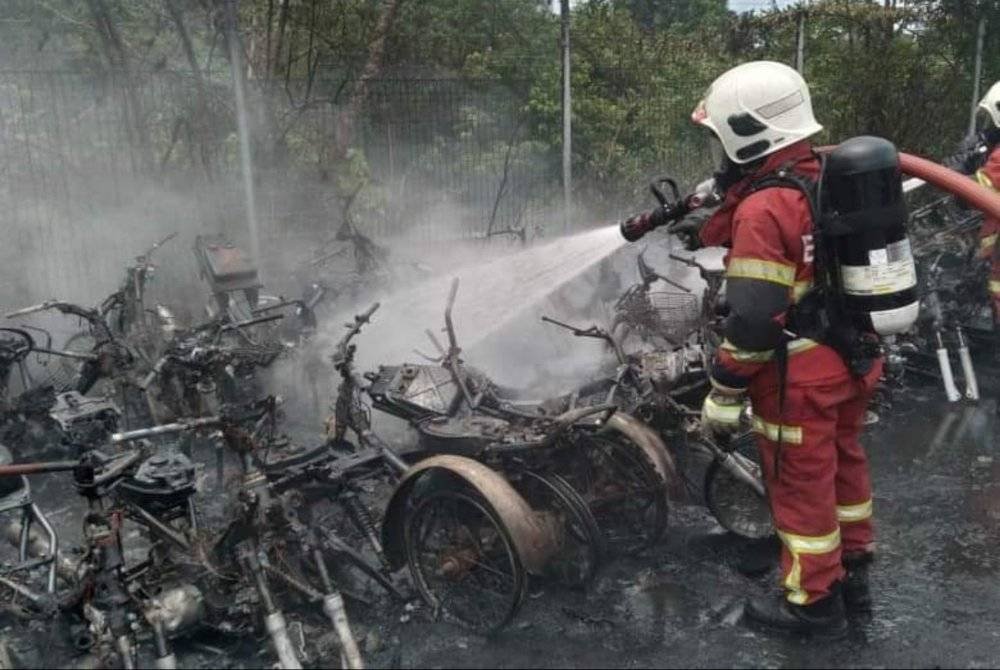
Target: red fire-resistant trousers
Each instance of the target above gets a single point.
(820, 492)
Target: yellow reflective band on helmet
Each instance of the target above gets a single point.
(984, 180)
(995, 286)
(754, 268)
(722, 413)
(799, 545)
(789, 434)
(800, 288)
(854, 513)
(987, 242)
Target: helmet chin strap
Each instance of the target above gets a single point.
(991, 136)
(731, 173)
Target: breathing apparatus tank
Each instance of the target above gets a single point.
(864, 248)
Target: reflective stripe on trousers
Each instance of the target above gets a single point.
(799, 546)
(820, 493)
(854, 513)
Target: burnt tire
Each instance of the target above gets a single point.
(735, 504)
(466, 566)
(625, 493)
(581, 546)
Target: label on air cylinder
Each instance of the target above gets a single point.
(883, 279)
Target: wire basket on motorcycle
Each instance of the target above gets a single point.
(677, 313)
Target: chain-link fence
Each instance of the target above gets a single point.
(94, 167)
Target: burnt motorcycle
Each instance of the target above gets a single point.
(606, 473)
(469, 535)
(664, 386)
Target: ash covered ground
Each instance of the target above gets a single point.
(937, 604)
(677, 604)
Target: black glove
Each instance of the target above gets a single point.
(968, 156)
(688, 231)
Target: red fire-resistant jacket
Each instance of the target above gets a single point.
(768, 269)
(989, 176)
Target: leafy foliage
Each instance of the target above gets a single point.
(896, 68)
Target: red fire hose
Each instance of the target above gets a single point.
(955, 183)
(959, 185)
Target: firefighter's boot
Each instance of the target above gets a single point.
(857, 591)
(824, 618)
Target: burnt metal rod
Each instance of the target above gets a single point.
(166, 429)
(673, 283)
(252, 322)
(160, 528)
(65, 354)
(277, 305)
(18, 469)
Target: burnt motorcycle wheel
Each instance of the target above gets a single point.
(580, 543)
(463, 560)
(735, 504)
(624, 492)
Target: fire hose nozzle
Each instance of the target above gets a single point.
(635, 227)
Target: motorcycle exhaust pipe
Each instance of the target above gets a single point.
(733, 463)
(38, 546)
(968, 371)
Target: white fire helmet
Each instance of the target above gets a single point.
(991, 104)
(757, 108)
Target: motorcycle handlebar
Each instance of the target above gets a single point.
(40, 307)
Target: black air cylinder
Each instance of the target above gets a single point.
(864, 223)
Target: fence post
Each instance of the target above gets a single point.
(800, 42)
(246, 158)
(977, 73)
(567, 106)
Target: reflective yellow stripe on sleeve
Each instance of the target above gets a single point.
(854, 513)
(985, 180)
(804, 544)
(722, 413)
(755, 268)
(995, 286)
(796, 346)
(789, 434)
(987, 242)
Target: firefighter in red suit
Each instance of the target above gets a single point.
(808, 424)
(980, 157)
